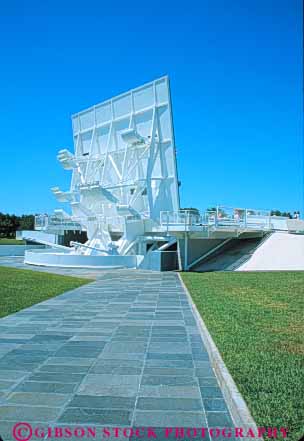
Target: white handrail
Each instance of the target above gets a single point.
(236, 218)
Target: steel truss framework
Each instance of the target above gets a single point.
(124, 167)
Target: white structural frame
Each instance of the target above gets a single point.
(124, 171)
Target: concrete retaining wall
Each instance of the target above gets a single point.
(61, 259)
(196, 248)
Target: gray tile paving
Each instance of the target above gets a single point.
(211, 392)
(92, 401)
(96, 416)
(145, 403)
(219, 419)
(168, 380)
(165, 391)
(57, 377)
(38, 387)
(215, 404)
(38, 399)
(28, 413)
(12, 375)
(4, 385)
(121, 351)
(170, 419)
(61, 368)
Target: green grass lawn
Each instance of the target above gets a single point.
(256, 321)
(8, 241)
(22, 288)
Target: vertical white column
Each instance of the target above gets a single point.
(186, 252)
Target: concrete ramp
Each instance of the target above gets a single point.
(280, 251)
(274, 252)
(230, 256)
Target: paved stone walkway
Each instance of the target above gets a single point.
(122, 351)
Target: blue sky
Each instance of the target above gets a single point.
(236, 81)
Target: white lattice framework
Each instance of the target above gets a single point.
(124, 166)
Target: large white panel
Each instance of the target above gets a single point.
(117, 163)
(87, 120)
(122, 105)
(120, 126)
(75, 122)
(162, 91)
(143, 123)
(169, 159)
(103, 113)
(86, 141)
(143, 97)
(102, 135)
(157, 169)
(165, 123)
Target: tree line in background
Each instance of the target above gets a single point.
(282, 213)
(10, 223)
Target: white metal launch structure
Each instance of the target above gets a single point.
(123, 176)
(124, 194)
(123, 169)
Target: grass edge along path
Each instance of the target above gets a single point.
(256, 321)
(20, 289)
(9, 241)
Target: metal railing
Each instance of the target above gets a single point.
(45, 221)
(221, 218)
(181, 217)
(48, 222)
